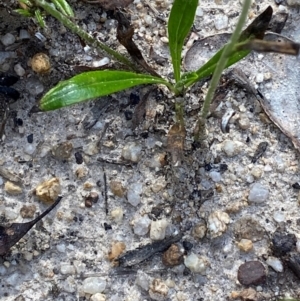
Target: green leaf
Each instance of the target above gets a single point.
(39, 18)
(24, 12)
(180, 22)
(64, 7)
(91, 85)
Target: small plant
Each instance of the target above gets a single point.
(90, 85)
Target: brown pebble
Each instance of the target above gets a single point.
(248, 228)
(117, 188)
(28, 211)
(40, 63)
(252, 273)
(87, 186)
(48, 191)
(173, 256)
(91, 199)
(62, 150)
(12, 188)
(117, 249)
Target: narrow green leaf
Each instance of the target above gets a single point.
(39, 18)
(180, 22)
(24, 12)
(89, 85)
(64, 7)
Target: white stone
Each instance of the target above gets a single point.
(132, 152)
(258, 193)
(20, 71)
(197, 264)
(98, 297)
(141, 226)
(199, 12)
(1, 181)
(100, 63)
(61, 248)
(13, 279)
(215, 176)
(221, 22)
(158, 229)
(29, 149)
(293, 2)
(279, 216)
(232, 148)
(117, 214)
(8, 39)
(259, 77)
(148, 20)
(93, 285)
(142, 280)
(217, 223)
(24, 34)
(134, 194)
(66, 268)
(275, 263)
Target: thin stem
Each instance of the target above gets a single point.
(223, 61)
(83, 34)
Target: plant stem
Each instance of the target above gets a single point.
(221, 65)
(83, 34)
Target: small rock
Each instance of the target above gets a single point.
(81, 172)
(28, 211)
(19, 70)
(244, 123)
(256, 172)
(134, 194)
(98, 297)
(12, 188)
(91, 199)
(258, 193)
(173, 256)
(62, 151)
(283, 243)
(158, 229)
(293, 2)
(34, 86)
(66, 268)
(91, 148)
(48, 191)
(232, 148)
(142, 280)
(187, 245)
(199, 12)
(24, 34)
(252, 273)
(199, 230)
(275, 263)
(158, 290)
(117, 188)
(117, 214)
(40, 63)
(248, 294)
(29, 149)
(217, 223)
(259, 77)
(245, 245)
(117, 249)
(197, 264)
(221, 22)
(215, 176)
(248, 228)
(78, 158)
(8, 39)
(279, 216)
(132, 152)
(93, 285)
(141, 226)
(159, 184)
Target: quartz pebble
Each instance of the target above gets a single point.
(196, 263)
(34, 86)
(24, 34)
(12, 188)
(29, 149)
(259, 77)
(252, 273)
(244, 122)
(66, 268)
(93, 285)
(283, 243)
(258, 193)
(8, 39)
(142, 280)
(158, 290)
(215, 176)
(221, 22)
(199, 230)
(141, 225)
(245, 245)
(117, 214)
(19, 70)
(217, 223)
(98, 297)
(116, 250)
(275, 263)
(132, 152)
(158, 229)
(293, 2)
(279, 216)
(48, 191)
(134, 193)
(232, 148)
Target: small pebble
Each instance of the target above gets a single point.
(117, 188)
(24, 34)
(244, 123)
(117, 214)
(251, 273)
(173, 256)
(187, 245)
(158, 290)
(199, 230)
(67, 269)
(283, 243)
(20, 71)
(217, 223)
(142, 280)
(134, 194)
(197, 264)
(28, 211)
(279, 216)
(245, 245)
(116, 250)
(48, 191)
(93, 285)
(258, 193)
(293, 2)
(232, 148)
(62, 151)
(30, 138)
(8, 39)
(29, 149)
(40, 63)
(256, 172)
(199, 12)
(275, 263)
(98, 297)
(142, 225)
(259, 77)
(12, 188)
(34, 86)
(101, 62)
(78, 158)
(92, 198)
(215, 176)
(107, 226)
(132, 152)
(158, 229)
(221, 22)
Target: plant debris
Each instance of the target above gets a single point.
(262, 147)
(10, 235)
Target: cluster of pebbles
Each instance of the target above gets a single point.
(234, 208)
